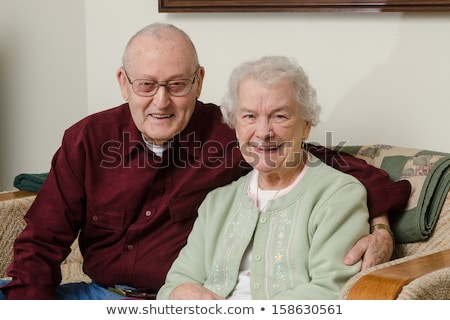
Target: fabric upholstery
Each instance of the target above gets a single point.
(429, 174)
(12, 223)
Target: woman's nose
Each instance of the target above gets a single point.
(264, 129)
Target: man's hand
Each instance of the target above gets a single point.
(373, 249)
(193, 291)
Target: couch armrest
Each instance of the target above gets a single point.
(12, 195)
(388, 280)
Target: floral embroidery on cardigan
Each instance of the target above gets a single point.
(221, 276)
(279, 263)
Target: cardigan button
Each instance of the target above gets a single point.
(256, 286)
(257, 257)
(148, 213)
(263, 220)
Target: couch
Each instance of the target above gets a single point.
(420, 265)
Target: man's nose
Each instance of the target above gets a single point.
(161, 98)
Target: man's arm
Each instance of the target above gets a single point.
(383, 196)
(52, 226)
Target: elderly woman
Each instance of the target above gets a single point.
(281, 231)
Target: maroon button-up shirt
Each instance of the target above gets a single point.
(134, 209)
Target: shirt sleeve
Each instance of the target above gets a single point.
(383, 195)
(53, 222)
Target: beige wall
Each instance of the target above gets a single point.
(380, 77)
(42, 81)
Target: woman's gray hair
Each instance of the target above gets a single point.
(269, 70)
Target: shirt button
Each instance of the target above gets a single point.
(148, 213)
(95, 218)
(130, 247)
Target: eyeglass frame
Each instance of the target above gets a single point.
(162, 84)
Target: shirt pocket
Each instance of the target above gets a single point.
(104, 218)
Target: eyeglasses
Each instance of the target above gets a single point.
(148, 88)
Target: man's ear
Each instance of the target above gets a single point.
(199, 80)
(123, 81)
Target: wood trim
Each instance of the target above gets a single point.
(303, 5)
(388, 282)
(16, 195)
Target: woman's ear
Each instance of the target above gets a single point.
(307, 130)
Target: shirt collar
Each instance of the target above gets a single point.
(189, 140)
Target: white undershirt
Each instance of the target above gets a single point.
(158, 150)
(242, 289)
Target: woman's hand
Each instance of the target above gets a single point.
(193, 291)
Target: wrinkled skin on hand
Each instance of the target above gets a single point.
(193, 291)
(373, 249)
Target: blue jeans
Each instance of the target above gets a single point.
(78, 291)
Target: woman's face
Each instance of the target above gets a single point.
(269, 126)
